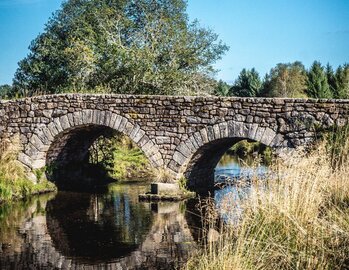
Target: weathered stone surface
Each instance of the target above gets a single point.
(173, 132)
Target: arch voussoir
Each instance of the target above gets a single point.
(268, 136)
(204, 135)
(278, 141)
(252, 132)
(64, 121)
(223, 127)
(35, 152)
(259, 133)
(218, 138)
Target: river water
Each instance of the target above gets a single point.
(106, 230)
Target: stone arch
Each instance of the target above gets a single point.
(35, 152)
(209, 144)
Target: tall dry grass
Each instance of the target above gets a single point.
(297, 219)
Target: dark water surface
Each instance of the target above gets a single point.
(106, 230)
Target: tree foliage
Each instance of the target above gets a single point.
(317, 83)
(285, 80)
(331, 79)
(341, 89)
(222, 89)
(121, 46)
(248, 84)
(6, 91)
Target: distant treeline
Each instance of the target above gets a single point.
(290, 80)
(284, 80)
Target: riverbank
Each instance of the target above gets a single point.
(14, 184)
(297, 220)
(120, 158)
(24, 190)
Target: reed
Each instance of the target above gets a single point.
(297, 219)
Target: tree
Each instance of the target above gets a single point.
(342, 82)
(248, 84)
(6, 91)
(122, 46)
(331, 79)
(285, 80)
(317, 83)
(222, 89)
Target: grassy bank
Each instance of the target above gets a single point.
(244, 149)
(298, 219)
(120, 157)
(13, 180)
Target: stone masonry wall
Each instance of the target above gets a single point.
(171, 131)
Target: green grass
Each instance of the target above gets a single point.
(120, 157)
(128, 163)
(244, 149)
(14, 183)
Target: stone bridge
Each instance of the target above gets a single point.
(186, 135)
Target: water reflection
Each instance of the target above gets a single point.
(112, 229)
(231, 168)
(235, 174)
(89, 231)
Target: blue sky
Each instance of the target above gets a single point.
(260, 33)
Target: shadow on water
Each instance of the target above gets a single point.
(80, 177)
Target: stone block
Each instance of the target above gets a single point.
(64, 122)
(252, 131)
(216, 132)
(268, 136)
(122, 125)
(223, 127)
(57, 124)
(204, 135)
(198, 139)
(179, 157)
(77, 116)
(184, 150)
(259, 134)
(164, 188)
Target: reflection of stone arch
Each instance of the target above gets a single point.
(154, 250)
(35, 153)
(199, 154)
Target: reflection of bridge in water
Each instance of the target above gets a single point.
(42, 243)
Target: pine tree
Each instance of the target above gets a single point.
(331, 79)
(222, 89)
(317, 83)
(342, 82)
(248, 84)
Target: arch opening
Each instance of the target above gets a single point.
(74, 161)
(201, 169)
